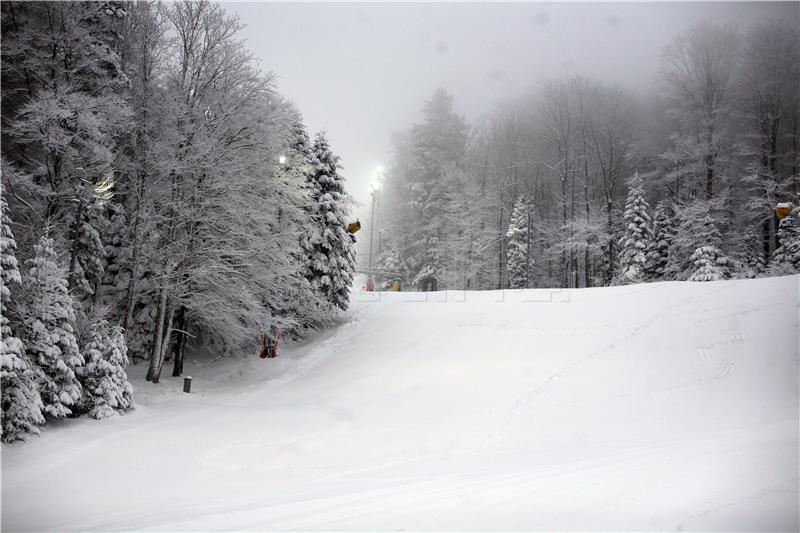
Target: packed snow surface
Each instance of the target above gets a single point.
(658, 407)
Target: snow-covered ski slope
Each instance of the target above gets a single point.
(663, 406)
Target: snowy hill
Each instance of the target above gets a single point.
(663, 406)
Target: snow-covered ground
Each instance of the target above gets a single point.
(662, 406)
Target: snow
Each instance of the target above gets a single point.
(663, 406)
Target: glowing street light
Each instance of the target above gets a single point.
(374, 187)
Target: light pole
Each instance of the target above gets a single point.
(80, 199)
(374, 187)
(86, 192)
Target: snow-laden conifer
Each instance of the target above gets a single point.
(753, 261)
(709, 263)
(49, 331)
(663, 234)
(21, 403)
(637, 235)
(706, 260)
(786, 257)
(332, 261)
(518, 261)
(106, 390)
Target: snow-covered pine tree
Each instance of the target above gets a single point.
(518, 261)
(118, 256)
(106, 390)
(296, 213)
(300, 146)
(332, 262)
(637, 235)
(709, 263)
(49, 319)
(392, 267)
(786, 258)
(436, 147)
(89, 253)
(752, 258)
(706, 264)
(663, 234)
(21, 403)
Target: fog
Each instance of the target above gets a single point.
(362, 71)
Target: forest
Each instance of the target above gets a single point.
(577, 183)
(157, 189)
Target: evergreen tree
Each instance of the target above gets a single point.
(21, 403)
(663, 234)
(392, 267)
(752, 260)
(707, 264)
(106, 390)
(690, 219)
(90, 255)
(637, 235)
(49, 331)
(117, 237)
(786, 258)
(436, 146)
(332, 261)
(518, 262)
(297, 211)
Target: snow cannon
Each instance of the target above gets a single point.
(353, 227)
(783, 209)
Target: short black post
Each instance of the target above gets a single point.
(187, 384)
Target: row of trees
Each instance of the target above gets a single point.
(171, 191)
(534, 194)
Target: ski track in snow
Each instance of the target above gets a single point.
(792, 486)
(522, 403)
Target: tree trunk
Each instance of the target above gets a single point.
(501, 248)
(528, 249)
(165, 343)
(180, 342)
(795, 158)
(609, 274)
(137, 248)
(153, 371)
(587, 281)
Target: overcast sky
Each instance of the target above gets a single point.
(362, 71)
